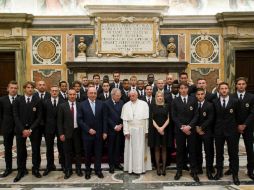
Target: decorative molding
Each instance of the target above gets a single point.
(9, 20)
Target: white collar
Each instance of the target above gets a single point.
(239, 93)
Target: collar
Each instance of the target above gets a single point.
(239, 93)
(10, 97)
(226, 98)
(90, 101)
(74, 103)
(29, 97)
(52, 99)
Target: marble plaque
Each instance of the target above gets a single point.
(127, 36)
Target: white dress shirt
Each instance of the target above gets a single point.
(30, 98)
(239, 94)
(226, 101)
(10, 98)
(52, 100)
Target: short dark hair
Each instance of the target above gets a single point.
(223, 83)
(147, 85)
(62, 82)
(76, 82)
(200, 89)
(183, 84)
(201, 79)
(124, 80)
(96, 75)
(28, 83)
(116, 72)
(183, 73)
(241, 78)
(105, 82)
(13, 82)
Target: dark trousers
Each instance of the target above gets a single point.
(21, 152)
(49, 138)
(248, 142)
(35, 138)
(60, 152)
(72, 148)
(232, 145)
(208, 147)
(93, 146)
(8, 143)
(114, 146)
(181, 140)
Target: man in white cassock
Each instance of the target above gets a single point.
(135, 115)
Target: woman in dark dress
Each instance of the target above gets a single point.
(158, 137)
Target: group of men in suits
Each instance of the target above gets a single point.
(87, 114)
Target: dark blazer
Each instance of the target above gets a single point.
(166, 93)
(62, 98)
(124, 97)
(246, 113)
(226, 119)
(102, 97)
(112, 85)
(6, 115)
(81, 97)
(184, 114)
(139, 94)
(113, 115)
(65, 121)
(99, 90)
(50, 116)
(87, 120)
(206, 117)
(46, 95)
(166, 87)
(27, 116)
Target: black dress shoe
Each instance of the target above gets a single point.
(111, 170)
(158, 172)
(19, 176)
(68, 174)
(209, 175)
(178, 175)
(36, 173)
(6, 172)
(119, 167)
(218, 175)
(79, 172)
(46, 172)
(88, 175)
(163, 172)
(185, 167)
(200, 171)
(99, 174)
(195, 177)
(251, 175)
(228, 172)
(236, 180)
(25, 172)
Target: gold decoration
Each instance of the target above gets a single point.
(82, 47)
(204, 49)
(171, 47)
(46, 50)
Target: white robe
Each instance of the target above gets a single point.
(137, 158)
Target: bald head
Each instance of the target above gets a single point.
(92, 93)
(160, 84)
(41, 86)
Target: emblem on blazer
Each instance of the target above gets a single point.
(247, 105)
(191, 108)
(231, 110)
(34, 108)
(204, 114)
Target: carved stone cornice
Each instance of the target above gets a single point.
(235, 18)
(10, 20)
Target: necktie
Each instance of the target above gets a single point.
(54, 103)
(184, 100)
(141, 92)
(93, 107)
(28, 100)
(12, 99)
(106, 95)
(42, 96)
(149, 101)
(199, 106)
(78, 96)
(241, 97)
(126, 93)
(117, 85)
(64, 96)
(224, 103)
(72, 110)
(96, 87)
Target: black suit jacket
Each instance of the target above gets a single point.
(6, 115)
(184, 114)
(50, 116)
(206, 117)
(62, 98)
(82, 97)
(102, 97)
(166, 88)
(112, 85)
(246, 110)
(65, 123)
(124, 97)
(99, 90)
(27, 116)
(226, 119)
(46, 95)
(113, 115)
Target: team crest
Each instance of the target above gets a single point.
(204, 114)
(34, 108)
(231, 110)
(247, 105)
(191, 108)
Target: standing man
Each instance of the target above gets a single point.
(96, 81)
(76, 85)
(93, 124)
(226, 130)
(116, 83)
(113, 109)
(150, 81)
(84, 85)
(183, 78)
(135, 116)
(141, 90)
(125, 91)
(7, 124)
(160, 87)
(169, 82)
(63, 86)
(246, 121)
(185, 117)
(133, 82)
(70, 133)
(27, 116)
(50, 107)
(42, 93)
(204, 131)
(105, 95)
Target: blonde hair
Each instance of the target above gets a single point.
(156, 95)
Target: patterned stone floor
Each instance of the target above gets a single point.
(120, 180)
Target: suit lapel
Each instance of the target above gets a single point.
(90, 108)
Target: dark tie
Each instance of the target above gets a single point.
(96, 87)
(199, 106)
(12, 99)
(78, 96)
(149, 101)
(224, 103)
(116, 85)
(126, 93)
(42, 96)
(54, 103)
(64, 96)
(184, 100)
(106, 95)
(72, 110)
(28, 100)
(142, 93)
(241, 97)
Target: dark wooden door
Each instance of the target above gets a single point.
(7, 70)
(245, 67)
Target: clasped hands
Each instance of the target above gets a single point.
(241, 128)
(186, 129)
(199, 130)
(26, 133)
